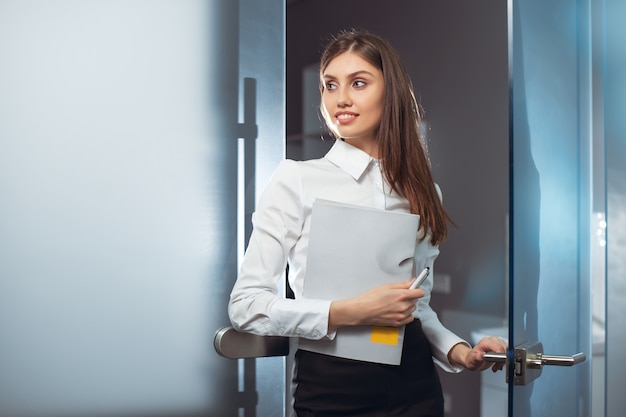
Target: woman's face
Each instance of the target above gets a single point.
(353, 100)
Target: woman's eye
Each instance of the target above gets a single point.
(330, 86)
(359, 83)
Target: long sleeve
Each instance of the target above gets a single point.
(441, 339)
(255, 304)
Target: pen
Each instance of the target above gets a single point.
(420, 279)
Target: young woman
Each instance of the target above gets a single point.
(377, 161)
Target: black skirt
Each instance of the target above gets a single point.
(328, 386)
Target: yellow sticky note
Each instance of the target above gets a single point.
(385, 335)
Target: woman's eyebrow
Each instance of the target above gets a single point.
(351, 75)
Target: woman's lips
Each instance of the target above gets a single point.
(343, 118)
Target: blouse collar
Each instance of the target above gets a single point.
(350, 158)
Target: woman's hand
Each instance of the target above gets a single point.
(387, 305)
(472, 358)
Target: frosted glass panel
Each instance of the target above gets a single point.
(118, 213)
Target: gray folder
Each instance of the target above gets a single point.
(351, 250)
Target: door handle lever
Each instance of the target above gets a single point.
(561, 360)
(529, 361)
(495, 357)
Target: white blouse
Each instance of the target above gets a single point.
(280, 235)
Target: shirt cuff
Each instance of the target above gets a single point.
(306, 318)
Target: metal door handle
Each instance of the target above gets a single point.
(232, 344)
(542, 359)
(529, 361)
(495, 357)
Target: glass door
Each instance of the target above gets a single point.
(133, 136)
(550, 208)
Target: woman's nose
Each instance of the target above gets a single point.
(343, 99)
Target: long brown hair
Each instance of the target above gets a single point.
(406, 165)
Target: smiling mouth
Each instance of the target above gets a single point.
(345, 117)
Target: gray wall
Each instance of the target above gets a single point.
(456, 52)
